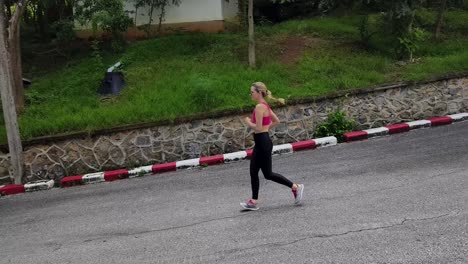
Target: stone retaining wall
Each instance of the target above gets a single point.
(370, 108)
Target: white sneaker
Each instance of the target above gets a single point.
(298, 194)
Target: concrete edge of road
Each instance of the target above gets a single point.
(114, 175)
(404, 127)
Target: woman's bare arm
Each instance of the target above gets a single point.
(274, 120)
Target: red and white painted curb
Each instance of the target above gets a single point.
(404, 127)
(191, 163)
(165, 167)
(28, 187)
(225, 158)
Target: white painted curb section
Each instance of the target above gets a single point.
(235, 156)
(419, 124)
(39, 186)
(137, 171)
(374, 132)
(459, 117)
(325, 142)
(188, 163)
(93, 178)
(282, 149)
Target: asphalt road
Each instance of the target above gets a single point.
(394, 199)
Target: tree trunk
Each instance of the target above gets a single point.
(8, 104)
(136, 15)
(411, 22)
(14, 49)
(16, 71)
(440, 18)
(161, 16)
(251, 36)
(150, 21)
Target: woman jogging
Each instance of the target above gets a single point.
(263, 118)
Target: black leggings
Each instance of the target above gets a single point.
(261, 159)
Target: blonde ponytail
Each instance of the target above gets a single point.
(278, 100)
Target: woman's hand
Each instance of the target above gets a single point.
(248, 122)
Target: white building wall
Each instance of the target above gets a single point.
(230, 9)
(187, 11)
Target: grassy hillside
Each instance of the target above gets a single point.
(178, 75)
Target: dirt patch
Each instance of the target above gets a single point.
(292, 48)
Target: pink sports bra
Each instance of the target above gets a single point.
(266, 119)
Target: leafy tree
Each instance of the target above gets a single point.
(399, 17)
(400, 13)
(410, 43)
(106, 15)
(42, 15)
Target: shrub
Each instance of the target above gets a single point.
(410, 44)
(336, 125)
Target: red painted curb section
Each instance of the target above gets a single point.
(212, 160)
(398, 128)
(357, 135)
(249, 153)
(71, 181)
(171, 166)
(439, 121)
(12, 189)
(308, 144)
(115, 175)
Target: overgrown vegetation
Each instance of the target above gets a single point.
(336, 125)
(180, 75)
(105, 15)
